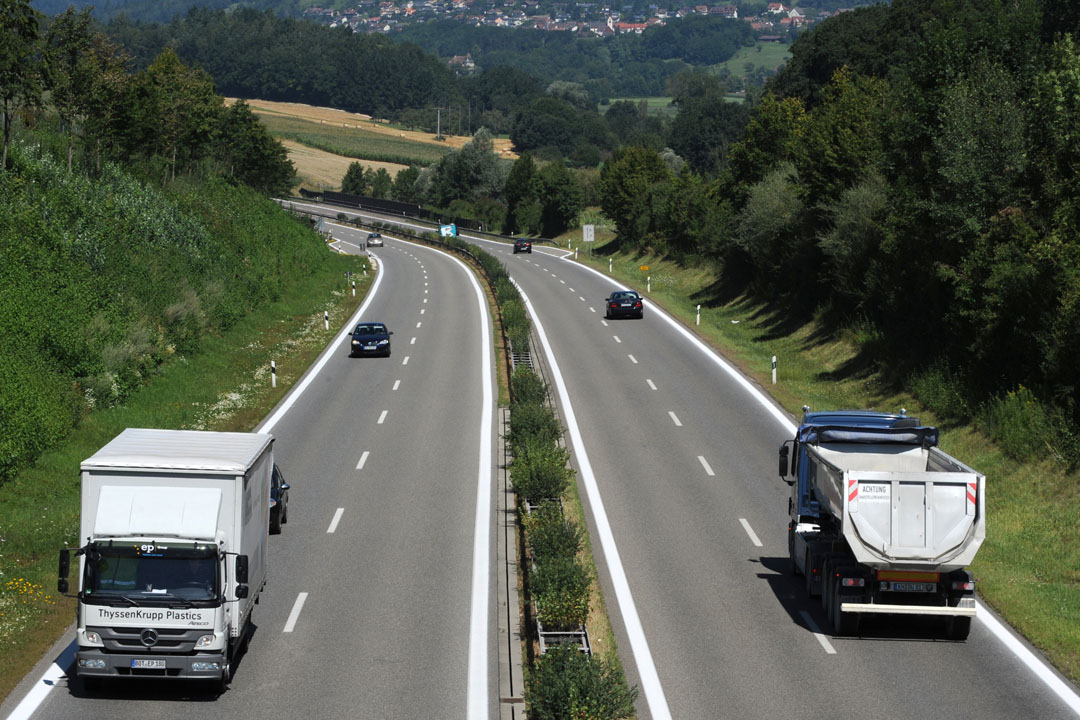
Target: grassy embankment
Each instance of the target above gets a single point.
(224, 386)
(1029, 567)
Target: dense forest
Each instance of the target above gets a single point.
(911, 174)
(259, 54)
(165, 10)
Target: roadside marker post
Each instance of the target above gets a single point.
(698, 321)
(273, 374)
(773, 369)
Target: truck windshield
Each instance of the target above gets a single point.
(135, 576)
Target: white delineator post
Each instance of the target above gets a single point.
(354, 288)
(773, 369)
(698, 321)
(326, 318)
(609, 264)
(648, 284)
(273, 374)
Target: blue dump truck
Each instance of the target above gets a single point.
(881, 519)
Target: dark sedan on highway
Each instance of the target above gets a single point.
(371, 338)
(624, 303)
(522, 246)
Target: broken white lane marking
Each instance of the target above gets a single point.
(651, 383)
(333, 523)
(363, 459)
(674, 419)
(817, 632)
(382, 417)
(295, 614)
(750, 531)
(705, 464)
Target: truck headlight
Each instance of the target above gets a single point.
(92, 638)
(205, 666)
(205, 641)
(92, 663)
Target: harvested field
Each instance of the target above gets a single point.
(342, 118)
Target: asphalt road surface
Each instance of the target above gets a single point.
(371, 609)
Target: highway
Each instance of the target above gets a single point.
(684, 463)
(676, 458)
(370, 611)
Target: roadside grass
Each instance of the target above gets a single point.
(1028, 569)
(226, 386)
(354, 142)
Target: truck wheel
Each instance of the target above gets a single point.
(958, 628)
(226, 671)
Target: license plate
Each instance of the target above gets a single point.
(148, 664)
(626, 304)
(913, 587)
(369, 347)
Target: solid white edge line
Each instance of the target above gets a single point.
(363, 459)
(477, 703)
(41, 689)
(1037, 666)
(334, 523)
(1034, 663)
(705, 464)
(295, 614)
(824, 641)
(639, 646)
(299, 389)
(750, 531)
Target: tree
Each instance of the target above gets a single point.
(20, 84)
(250, 154)
(68, 72)
(176, 110)
(355, 181)
(404, 187)
(469, 173)
(625, 181)
(380, 183)
(775, 134)
(704, 128)
(520, 189)
(561, 199)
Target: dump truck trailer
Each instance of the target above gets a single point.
(881, 519)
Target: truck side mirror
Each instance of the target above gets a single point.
(241, 577)
(242, 568)
(785, 450)
(65, 568)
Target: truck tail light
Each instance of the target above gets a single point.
(965, 585)
(853, 582)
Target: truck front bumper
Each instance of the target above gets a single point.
(93, 662)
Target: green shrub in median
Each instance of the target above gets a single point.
(560, 589)
(551, 535)
(539, 470)
(527, 387)
(532, 421)
(567, 683)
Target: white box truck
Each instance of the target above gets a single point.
(174, 525)
(881, 519)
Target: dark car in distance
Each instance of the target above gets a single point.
(521, 245)
(279, 501)
(624, 303)
(374, 240)
(371, 338)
